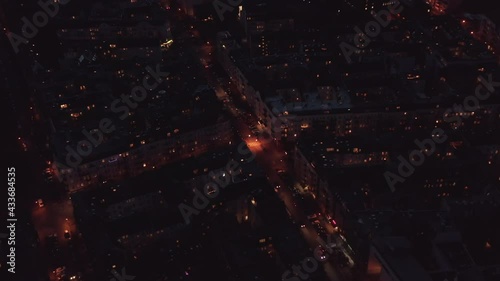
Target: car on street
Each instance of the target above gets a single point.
(322, 253)
(60, 273)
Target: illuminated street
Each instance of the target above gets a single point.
(159, 140)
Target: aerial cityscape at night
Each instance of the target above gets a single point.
(238, 140)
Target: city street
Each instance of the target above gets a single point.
(127, 118)
(268, 155)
